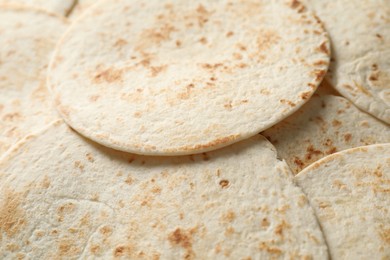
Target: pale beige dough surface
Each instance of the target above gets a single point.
(64, 196)
(360, 36)
(28, 37)
(178, 77)
(325, 125)
(350, 194)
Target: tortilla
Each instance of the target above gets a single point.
(325, 125)
(162, 78)
(350, 194)
(64, 196)
(28, 37)
(360, 35)
(62, 7)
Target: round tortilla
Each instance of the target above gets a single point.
(65, 196)
(350, 194)
(360, 35)
(325, 125)
(28, 37)
(62, 7)
(167, 78)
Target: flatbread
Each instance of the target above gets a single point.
(166, 78)
(360, 34)
(64, 196)
(62, 7)
(350, 194)
(325, 125)
(28, 37)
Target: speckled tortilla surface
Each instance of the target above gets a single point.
(62, 196)
(350, 193)
(360, 35)
(28, 37)
(176, 77)
(324, 125)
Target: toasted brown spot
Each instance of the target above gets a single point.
(347, 137)
(129, 180)
(280, 228)
(311, 151)
(320, 63)
(184, 239)
(265, 223)
(224, 183)
(12, 217)
(11, 116)
(203, 40)
(90, 157)
(66, 208)
(229, 231)
(209, 66)
(158, 35)
(178, 43)
(78, 164)
(331, 150)
(123, 251)
(385, 235)
(229, 34)
(155, 70)
(266, 40)
(45, 182)
(95, 249)
(298, 162)
(295, 4)
(306, 95)
(288, 102)
(106, 230)
(241, 47)
(324, 48)
(120, 43)
(319, 74)
(68, 247)
(336, 123)
(12, 247)
(379, 36)
(228, 216)
(237, 56)
(263, 246)
(373, 77)
(108, 75)
(156, 190)
(228, 106)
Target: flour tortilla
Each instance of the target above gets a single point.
(28, 37)
(360, 35)
(64, 196)
(325, 125)
(162, 78)
(62, 7)
(350, 194)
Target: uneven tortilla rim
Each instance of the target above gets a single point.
(332, 157)
(31, 8)
(142, 149)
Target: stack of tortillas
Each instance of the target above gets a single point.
(138, 129)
